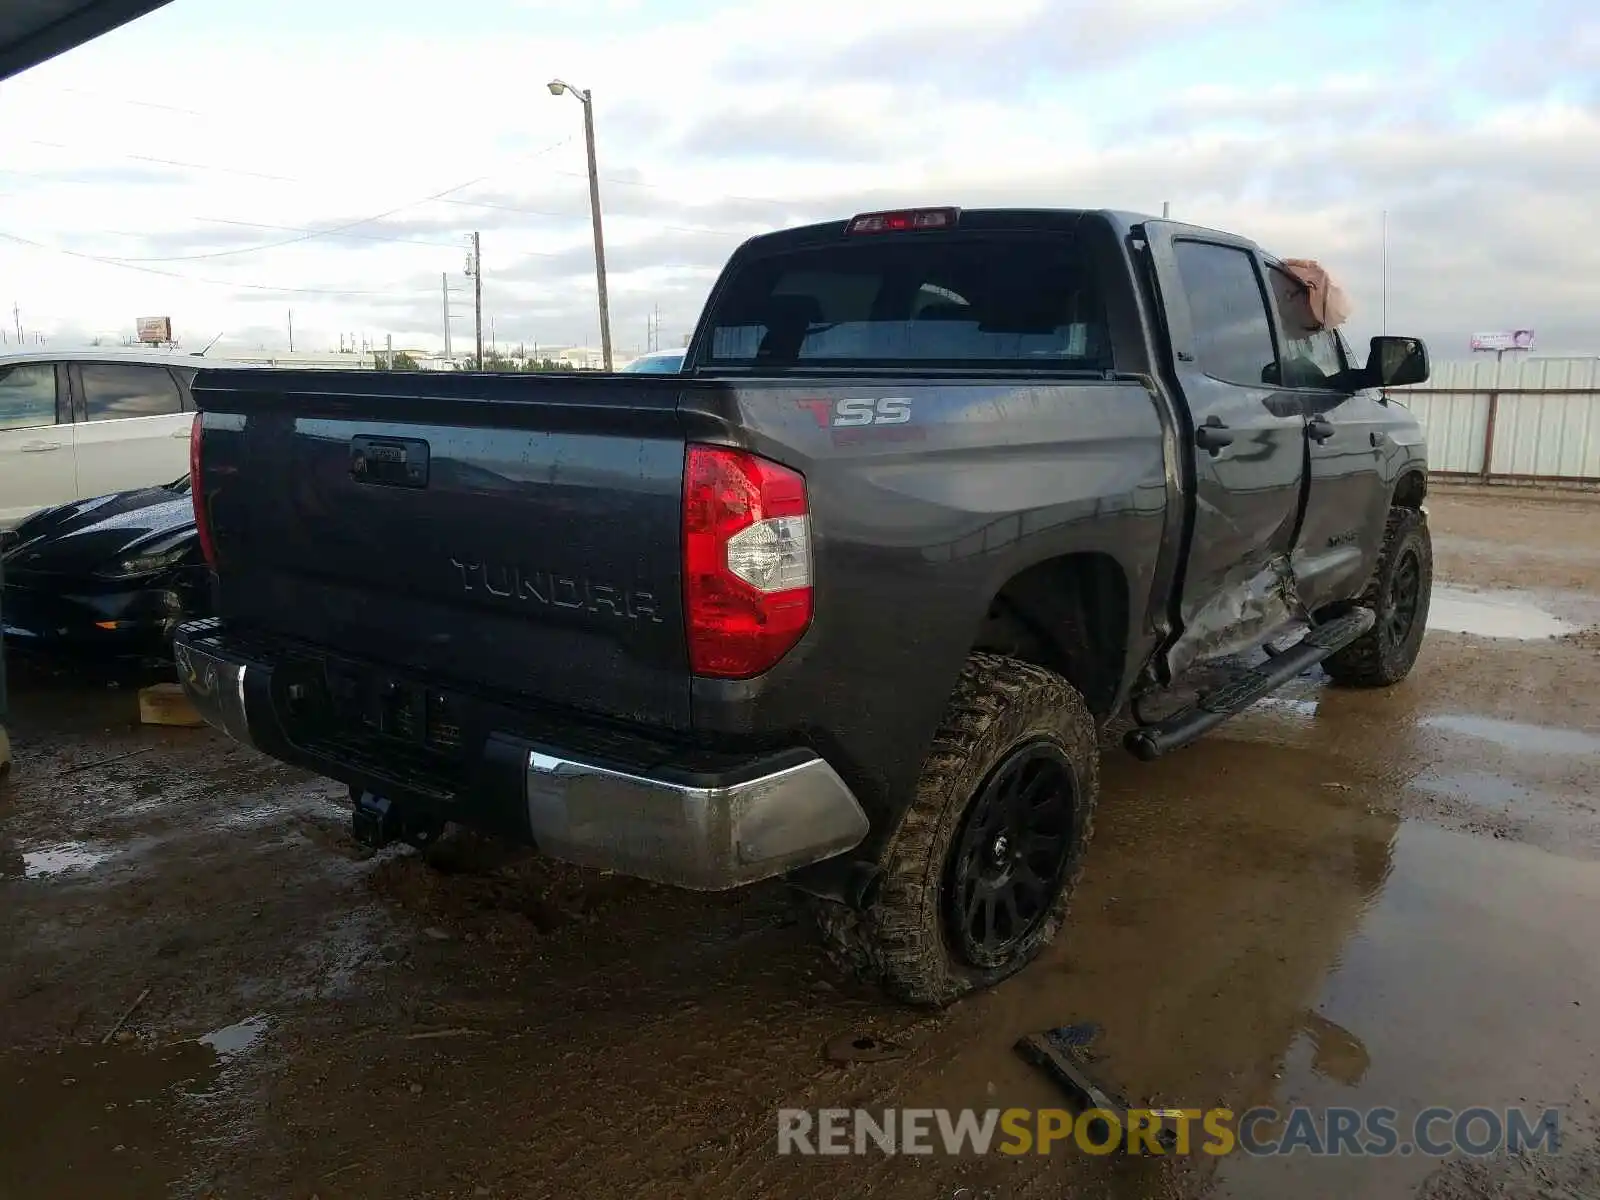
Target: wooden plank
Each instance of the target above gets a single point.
(165, 704)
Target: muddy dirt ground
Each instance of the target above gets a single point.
(1339, 898)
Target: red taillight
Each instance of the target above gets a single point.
(906, 219)
(747, 589)
(197, 494)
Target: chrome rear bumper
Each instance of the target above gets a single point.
(705, 838)
(752, 826)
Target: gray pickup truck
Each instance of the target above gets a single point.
(850, 600)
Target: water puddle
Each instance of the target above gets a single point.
(1518, 735)
(1480, 789)
(1500, 929)
(1287, 705)
(62, 859)
(254, 815)
(1492, 615)
(1251, 936)
(101, 1120)
(231, 1041)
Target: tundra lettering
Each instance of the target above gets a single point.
(557, 591)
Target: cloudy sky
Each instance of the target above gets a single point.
(223, 162)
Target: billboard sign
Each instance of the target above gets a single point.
(155, 329)
(1512, 339)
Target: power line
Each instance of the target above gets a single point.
(365, 237)
(316, 233)
(640, 183)
(136, 103)
(171, 162)
(634, 183)
(541, 212)
(226, 283)
(441, 199)
(321, 181)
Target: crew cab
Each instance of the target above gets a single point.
(90, 422)
(937, 495)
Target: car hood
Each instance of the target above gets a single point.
(86, 534)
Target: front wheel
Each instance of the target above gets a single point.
(1398, 594)
(978, 877)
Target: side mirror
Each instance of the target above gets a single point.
(1397, 361)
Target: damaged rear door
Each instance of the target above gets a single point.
(1246, 438)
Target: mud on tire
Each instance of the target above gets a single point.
(1004, 716)
(1385, 654)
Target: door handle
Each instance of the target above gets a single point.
(180, 433)
(1213, 436)
(1320, 429)
(41, 447)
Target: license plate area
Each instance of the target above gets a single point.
(392, 707)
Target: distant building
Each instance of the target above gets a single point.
(582, 358)
(438, 362)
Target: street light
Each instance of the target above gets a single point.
(557, 88)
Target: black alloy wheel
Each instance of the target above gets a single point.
(1005, 870)
(1405, 595)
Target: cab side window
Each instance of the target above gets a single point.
(1228, 310)
(1311, 355)
(113, 391)
(27, 395)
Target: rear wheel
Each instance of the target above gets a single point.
(980, 873)
(1398, 594)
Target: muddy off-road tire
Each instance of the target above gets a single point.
(1004, 806)
(1398, 593)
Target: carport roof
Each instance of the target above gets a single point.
(32, 31)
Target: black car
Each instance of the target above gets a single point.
(116, 572)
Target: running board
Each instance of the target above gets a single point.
(1184, 726)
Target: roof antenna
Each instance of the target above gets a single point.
(211, 343)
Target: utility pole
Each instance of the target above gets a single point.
(1166, 209)
(444, 289)
(291, 331)
(599, 239)
(16, 312)
(475, 263)
(389, 346)
(557, 88)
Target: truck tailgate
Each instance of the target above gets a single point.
(523, 538)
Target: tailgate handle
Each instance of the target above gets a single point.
(389, 462)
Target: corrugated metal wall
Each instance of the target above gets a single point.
(1533, 418)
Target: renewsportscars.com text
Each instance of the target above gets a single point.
(1371, 1132)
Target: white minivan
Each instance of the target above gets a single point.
(81, 423)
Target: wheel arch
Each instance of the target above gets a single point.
(1068, 614)
(1411, 489)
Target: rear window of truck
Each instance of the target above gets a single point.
(923, 301)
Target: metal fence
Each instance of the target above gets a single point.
(1517, 420)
